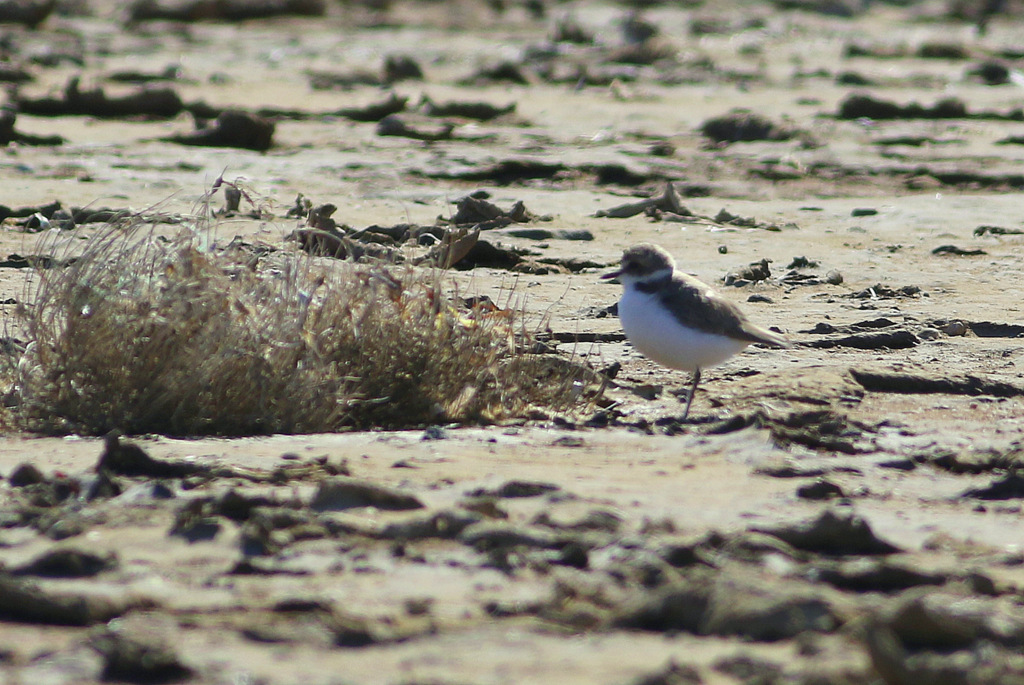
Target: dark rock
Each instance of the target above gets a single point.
(442, 525)
(131, 660)
(744, 127)
(921, 383)
(864, 106)
(894, 340)
(9, 135)
(680, 606)
(128, 459)
(223, 10)
(763, 612)
(748, 670)
(481, 111)
(22, 600)
(668, 201)
(394, 125)
(487, 536)
(819, 489)
(875, 575)
(752, 273)
(401, 68)
(162, 103)
(342, 492)
(68, 563)
(1010, 486)
(29, 13)
(25, 474)
(958, 251)
(835, 534)
(516, 488)
(595, 519)
(375, 111)
(234, 129)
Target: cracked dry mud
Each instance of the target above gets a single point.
(846, 511)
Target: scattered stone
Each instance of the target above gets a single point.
(765, 613)
(222, 10)
(435, 433)
(128, 459)
(443, 525)
(25, 474)
(503, 72)
(879, 292)
(874, 575)
(864, 211)
(942, 620)
(486, 215)
(232, 128)
(679, 606)
(375, 111)
(343, 492)
(934, 50)
(504, 172)
(991, 73)
(516, 488)
(394, 125)
(864, 106)
(834, 277)
(9, 135)
(744, 127)
(958, 251)
(172, 72)
(28, 13)
(752, 273)
(923, 383)
(484, 253)
(833, 534)
(1010, 486)
(68, 563)
(595, 519)
(194, 522)
(748, 669)
(997, 230)
(159, 103)
(133, 660)
(480, 111)
(819, 490)
(668, 201)
(401, 68)
(579, 234)
(23, 600)
(492, 535)
(894, 340)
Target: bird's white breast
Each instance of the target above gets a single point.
(658, 334)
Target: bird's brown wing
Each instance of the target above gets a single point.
(696, 305)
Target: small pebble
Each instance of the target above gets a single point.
(928, 334)
(955, 328)
(834, 277)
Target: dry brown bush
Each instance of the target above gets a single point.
(148, 335)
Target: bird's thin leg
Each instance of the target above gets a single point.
(693, 391)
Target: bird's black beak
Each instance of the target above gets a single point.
(612, 274)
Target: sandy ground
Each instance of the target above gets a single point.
(847, 510)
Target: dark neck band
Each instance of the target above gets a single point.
(652, 286)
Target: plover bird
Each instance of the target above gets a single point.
(677, 320)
